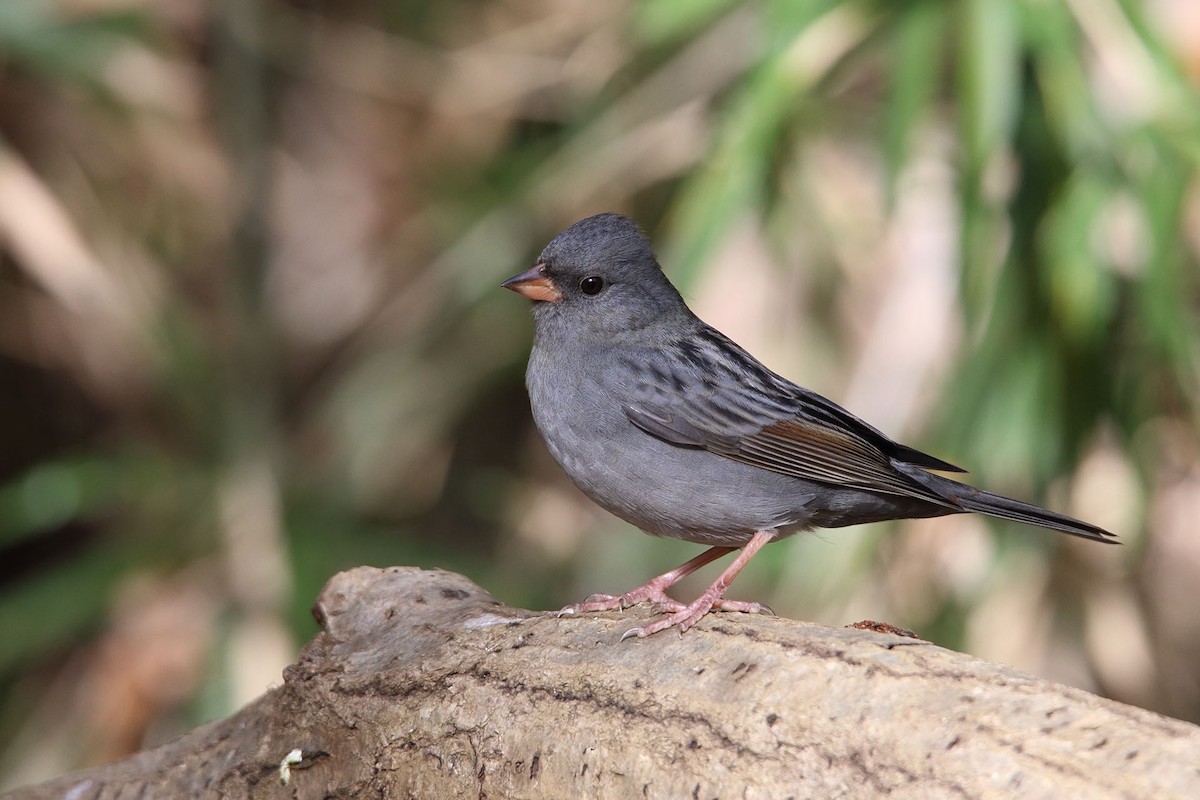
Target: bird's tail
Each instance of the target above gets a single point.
(968, 498)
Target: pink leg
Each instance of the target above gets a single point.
(654, 591)
(687, 616)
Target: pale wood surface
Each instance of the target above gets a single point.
(422, 685)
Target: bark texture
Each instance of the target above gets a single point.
(422, 685)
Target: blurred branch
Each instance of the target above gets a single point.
(248, 491)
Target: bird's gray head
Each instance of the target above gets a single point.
(600, 278)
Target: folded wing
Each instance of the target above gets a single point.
(711, 394)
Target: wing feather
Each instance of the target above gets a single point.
(713, 395)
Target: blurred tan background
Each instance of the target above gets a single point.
(250, 329)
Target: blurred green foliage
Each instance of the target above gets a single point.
(284, 353)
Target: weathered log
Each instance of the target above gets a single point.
(422, 685)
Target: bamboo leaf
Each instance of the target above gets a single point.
(919, 32)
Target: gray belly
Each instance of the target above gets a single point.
(686, 494)
(662, 488)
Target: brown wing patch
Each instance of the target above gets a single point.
(812, 451)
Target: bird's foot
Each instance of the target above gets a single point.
(685, 616)
(649, 593)
(653, 591)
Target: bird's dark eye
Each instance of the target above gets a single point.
(592, 284)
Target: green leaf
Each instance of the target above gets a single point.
(35, 34)
(53, 493)
(55, 606)
(1080, 288)
(989, 57)
(1057, 54)
(659, 21)
(916, 57)
(734, 178)
(1164, 295)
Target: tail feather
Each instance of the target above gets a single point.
(995, 505)
(968, 498)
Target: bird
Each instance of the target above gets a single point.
(668, 424)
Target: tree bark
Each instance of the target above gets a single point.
(422, 685)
